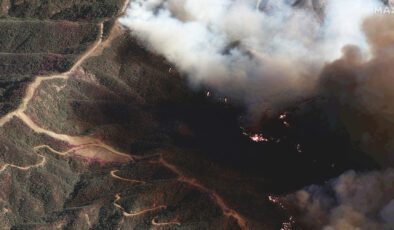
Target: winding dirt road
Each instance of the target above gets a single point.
(192, 182)
(137, 213)
(155, 223)
(113, 174)
(31, 89)
(94, 148)
(25, 168)
(217, 199)
(82, 143)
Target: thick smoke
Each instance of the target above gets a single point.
(363, 90)
(262, 53)
(352, 201)
(268, 53)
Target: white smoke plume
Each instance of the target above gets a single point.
(363, 90)
(268, 53)
(262, 53)
(352, 201)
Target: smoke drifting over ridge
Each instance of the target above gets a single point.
(268, 53)
(352, 201)
(362, 90)
(262, 53)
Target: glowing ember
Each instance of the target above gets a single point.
(282, 116)
(299, 149)
(288, 225)
(273, 199)
(258, 138)
(276, 200)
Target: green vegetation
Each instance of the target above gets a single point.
(33, 43)
(74, 10)
(46, 36)
(117, 99)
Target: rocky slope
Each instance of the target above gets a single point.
(84, 143)
(96, 132)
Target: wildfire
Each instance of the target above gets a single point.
(299, 148)
(258, 138)
(283, 118)
(273, 199)
(223, 100)
(288, 225)
(276, 200)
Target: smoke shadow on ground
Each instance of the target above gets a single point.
(153, 109)
(314, 148)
